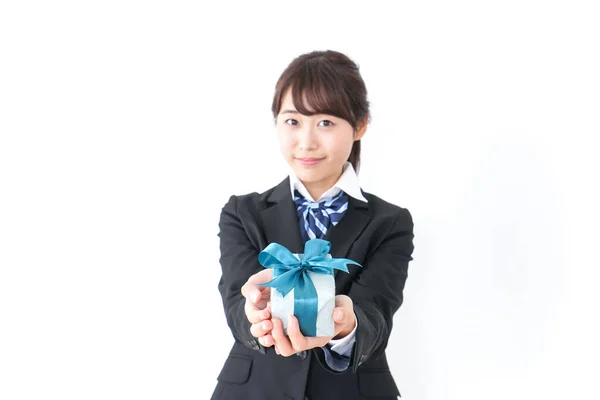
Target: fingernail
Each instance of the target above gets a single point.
(265, 326)
(255, 297)
(339, 315)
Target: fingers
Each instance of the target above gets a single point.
(282, 344)
(295, 341)
(295, 336)
(261, 328)
(343, 316)
(338, 315)
(255, 314)
(344, 310)
(341, 300)
(257, 297)
(299, 341)
(344, 319)
(251, 290)
(267, 340)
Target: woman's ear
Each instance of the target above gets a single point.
(361, 128)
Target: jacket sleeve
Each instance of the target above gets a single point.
(377, 291)
(239, 260)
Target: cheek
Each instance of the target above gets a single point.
(285, 142)
(340, 146)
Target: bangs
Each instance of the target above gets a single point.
(318, 86)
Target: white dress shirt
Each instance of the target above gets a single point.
(348, 182)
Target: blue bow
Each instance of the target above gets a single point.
(292, 273)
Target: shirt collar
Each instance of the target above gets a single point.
(348, 182)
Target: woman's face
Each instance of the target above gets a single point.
(316, 147)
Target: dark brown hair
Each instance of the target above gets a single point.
(331, 83)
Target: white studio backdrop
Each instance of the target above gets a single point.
(125, 127)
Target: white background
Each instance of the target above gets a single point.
(125, 126)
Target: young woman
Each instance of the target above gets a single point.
(321, 112)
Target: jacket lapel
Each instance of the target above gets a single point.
(279, 218)
(347, 231)
(280, 223)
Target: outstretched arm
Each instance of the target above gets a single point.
(377, 291)
(244, 302)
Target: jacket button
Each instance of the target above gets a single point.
(301, 354)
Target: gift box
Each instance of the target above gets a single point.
(303, 285)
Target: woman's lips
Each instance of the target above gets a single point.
(309, 161)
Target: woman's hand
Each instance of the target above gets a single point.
(345, 322)
(258, 306)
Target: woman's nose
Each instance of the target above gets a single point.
(307, 139)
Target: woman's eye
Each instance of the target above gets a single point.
(325, 123)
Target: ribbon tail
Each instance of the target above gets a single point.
(285, 282)
(333, 263)
(306, 305)
(344, 262)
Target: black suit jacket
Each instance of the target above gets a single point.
(377, 234)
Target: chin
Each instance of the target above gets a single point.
(306, 176)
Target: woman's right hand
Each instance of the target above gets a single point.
(258, 306)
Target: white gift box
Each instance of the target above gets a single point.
(283, 306)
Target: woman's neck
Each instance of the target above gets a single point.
(316, 193)
(316, 189)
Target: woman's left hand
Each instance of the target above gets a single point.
(343, 317)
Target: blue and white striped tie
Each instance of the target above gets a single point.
(314, 217)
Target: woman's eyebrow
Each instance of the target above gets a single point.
(296, 112)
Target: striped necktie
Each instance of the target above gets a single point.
(314, 217)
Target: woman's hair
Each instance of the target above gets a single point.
(331, 83)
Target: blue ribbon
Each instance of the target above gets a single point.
(292, 273)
